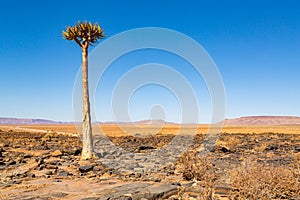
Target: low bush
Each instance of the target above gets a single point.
(262, 181)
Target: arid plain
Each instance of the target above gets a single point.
(246, 162)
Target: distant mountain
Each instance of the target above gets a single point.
(26, 121)
(154, 122)
(264, 120)
(4, 120)
(252, 120)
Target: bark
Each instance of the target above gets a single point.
(87, 139)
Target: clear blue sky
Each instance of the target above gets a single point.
(255, 44)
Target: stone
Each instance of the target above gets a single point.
(14, 182)
(56, 153)
(51, 167)
(59, 195)
(224, 149)
(161, 191)
(271, 148)
(145, 147)
(12, 162)
(110, 157)
(97, 168)
(41, 167)
(54, 162)
(125, 198)
(85, 169)
(27, 156)
(137, 175)
(48, 172)
(101, 153)
(77, 152)
(63, 174)
(31, 175)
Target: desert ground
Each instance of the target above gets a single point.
(245, 162)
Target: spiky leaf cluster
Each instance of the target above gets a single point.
(84, 33)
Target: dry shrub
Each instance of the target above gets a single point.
(194, 167)
(261, 147)
(261, 181)
(228, 141)
(295, 165)
(199, 169)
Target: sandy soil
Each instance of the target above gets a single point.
(43, 161)
(123, 130)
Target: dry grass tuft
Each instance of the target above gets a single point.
(229, 142)
(260, 181)
(295, 166)
(199, 169)
(261, 147)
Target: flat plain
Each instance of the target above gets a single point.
(246, 162)
(132, 129)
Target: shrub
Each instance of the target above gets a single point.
(261, 181)
(199, 169)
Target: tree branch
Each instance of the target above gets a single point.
(86, 44)
(78, 42)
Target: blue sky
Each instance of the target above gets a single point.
(255, 44)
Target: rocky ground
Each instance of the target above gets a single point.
(48, 166)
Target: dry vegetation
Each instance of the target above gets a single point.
(201, 170)
(228, 142)
(250, 181)
(261, 181)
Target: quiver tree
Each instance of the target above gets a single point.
(85, 34)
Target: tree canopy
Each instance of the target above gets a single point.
(84, 33)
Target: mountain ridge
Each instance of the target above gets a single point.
(246, 120)
(264, 120)
(10, 120)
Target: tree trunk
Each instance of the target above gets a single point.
(87, 139)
